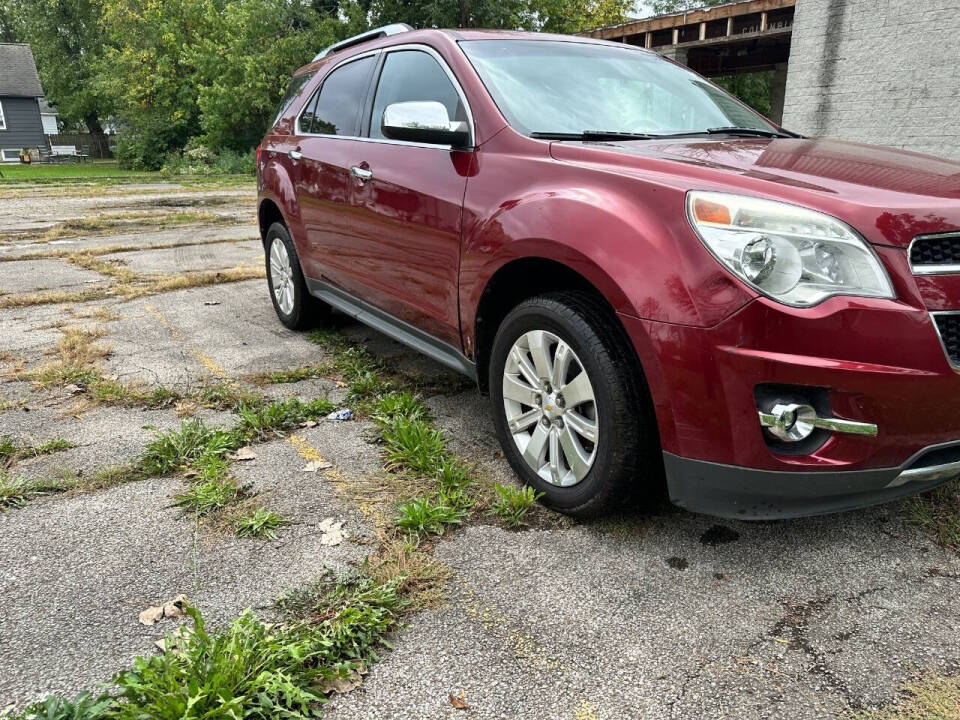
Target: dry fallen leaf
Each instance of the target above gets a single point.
(172, 608)
(458, 702)
(341, 684)
(314, 465)
(73, 389)
(245, 453)
(332, 532)
(308, 423)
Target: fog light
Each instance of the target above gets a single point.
(793, 422)
(790, 422)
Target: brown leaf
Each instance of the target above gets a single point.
(314, 465)
(245, 453)
(458, 702)
(172, 608)
(308, 423)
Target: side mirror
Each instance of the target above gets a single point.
(423, 122)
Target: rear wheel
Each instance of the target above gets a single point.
(571, 410)
(295, 306)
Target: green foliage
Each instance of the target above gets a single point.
(258, 421)
(513, 503)
(261, 523)
(938, 512)
(206, 497)
(83, 707)
(573, 16)
(664, 7)
(414, 444)
(249, 669)
(427, 516)
(199, 160)
(399, 405)
(178, 449)
(755, 88)
(14, 493)
(67, 38)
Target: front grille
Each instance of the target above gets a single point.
(933, 252)
(948, 325)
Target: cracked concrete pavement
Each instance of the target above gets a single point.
(655, 613)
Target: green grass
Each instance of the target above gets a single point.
(258, 421)
(180, 449)
(11, 450)
(938, 513)
(260, 523)
(209, 496)
(930, 697)
(14, 492)
(414, 444)
(427, 516)
(73, 171)
(513, 503)
(250, 669)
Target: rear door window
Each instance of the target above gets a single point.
(340, 100)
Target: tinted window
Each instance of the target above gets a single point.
(341, 98)
(296, 85)
(410, 75)
(551, 86)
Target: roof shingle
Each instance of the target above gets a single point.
(18, 71)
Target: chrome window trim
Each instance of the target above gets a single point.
(345, 61)
(386, 51)
(926, 269)
(933, 316)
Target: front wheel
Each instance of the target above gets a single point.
(295, 306)
(571, 410)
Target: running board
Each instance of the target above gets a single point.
(393, 327)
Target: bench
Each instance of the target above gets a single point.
(65, 152)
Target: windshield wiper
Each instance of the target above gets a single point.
(592, 135)
(752, 132)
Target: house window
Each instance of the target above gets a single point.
(9, 155)
(3, 120)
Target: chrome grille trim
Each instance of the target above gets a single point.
(934, 268)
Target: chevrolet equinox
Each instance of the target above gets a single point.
(652, 282)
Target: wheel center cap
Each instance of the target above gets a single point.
(550, 407)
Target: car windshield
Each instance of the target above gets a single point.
(556, 87)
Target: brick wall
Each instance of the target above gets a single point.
(878, 71)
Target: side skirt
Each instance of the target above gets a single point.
(393, 327)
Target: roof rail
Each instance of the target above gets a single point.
(375, 34)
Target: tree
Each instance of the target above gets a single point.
(665, 7)
(573, 16)
(244, 63)
(10, 23)
(67, 40)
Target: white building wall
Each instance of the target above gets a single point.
(877, 71)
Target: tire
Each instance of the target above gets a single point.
(624, 456)
(295, 306)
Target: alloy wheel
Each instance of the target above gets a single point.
(550, 407)
(281, 276)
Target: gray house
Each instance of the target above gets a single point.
(20, 91)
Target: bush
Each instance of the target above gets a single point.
(199, 160)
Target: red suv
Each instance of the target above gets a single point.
(651, 280)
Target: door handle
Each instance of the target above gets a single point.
(361, 174)
(295, 154)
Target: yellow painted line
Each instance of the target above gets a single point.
(208, 362)
(341, 484)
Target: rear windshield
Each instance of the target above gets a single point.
(551, 86)
(296, 85)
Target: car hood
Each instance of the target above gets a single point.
(909, 192)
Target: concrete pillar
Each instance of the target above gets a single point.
(648, 40)
(778, 92)
(674, 53)
(703, 31)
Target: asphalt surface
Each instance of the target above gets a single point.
(655, 613)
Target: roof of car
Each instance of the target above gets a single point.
(458, 34)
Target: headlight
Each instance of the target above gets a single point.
(795, 256)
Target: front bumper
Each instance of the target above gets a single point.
(749, 494)
(877, 361)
